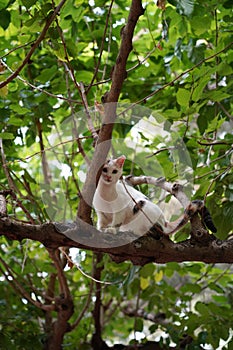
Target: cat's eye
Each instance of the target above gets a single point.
(105, 170)
(114, 171)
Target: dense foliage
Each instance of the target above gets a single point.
(179, 83)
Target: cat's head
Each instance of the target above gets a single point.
(112, 170)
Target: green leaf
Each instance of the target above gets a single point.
(158, 276)
(198, 91)
(144, 282)
(216, 95)
(202, 308)
(183, 97)
(47, 74)
(224, 69)
(214, 124)
(200, 25)
(5, 19)
(6, 136)
(20, 110)
(84, 76)
(147, 270)
(34, 23)
(138, 325)
(3, 4)
(15, 121)
(191, 287)
(28, 3)
(216, 287)
(4, 91)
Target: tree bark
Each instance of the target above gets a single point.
(64, 308)
(138, 250)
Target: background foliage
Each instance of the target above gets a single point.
(181, 67)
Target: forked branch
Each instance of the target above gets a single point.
(111, 99)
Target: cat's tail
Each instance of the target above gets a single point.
(198, 206)
(195, 207)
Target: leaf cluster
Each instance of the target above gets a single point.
(174, 120)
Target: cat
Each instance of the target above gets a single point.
(120, 207)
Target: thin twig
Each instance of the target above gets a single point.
(214, 143)
(19, 288)
(214, 180)
(208, 173)
(225, 111)
(38, 88)
(87, 109)
(15, 49)
(101, 46)
(161, 150)
(84, 273)
(85, 308)
(178, 77)
(109, 50)
(46, 149)
(45, 166)
(14, 189)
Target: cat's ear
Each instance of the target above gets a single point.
(120, 161)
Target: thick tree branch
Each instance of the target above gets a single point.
(139, 251)
(119, 70)
(97, 341)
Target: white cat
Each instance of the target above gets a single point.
(121, 207)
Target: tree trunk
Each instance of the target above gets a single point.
(65, 309)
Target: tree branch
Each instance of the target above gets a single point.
(159, 318)
(101, 47)
(97, 341)
(178, 77)
(9, 276)
(138, 250)
(35, 45)
(111, 98)
(63, 285)
(175, 189)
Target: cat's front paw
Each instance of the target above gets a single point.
(111, 229)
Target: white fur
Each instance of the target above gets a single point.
(114, 202)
